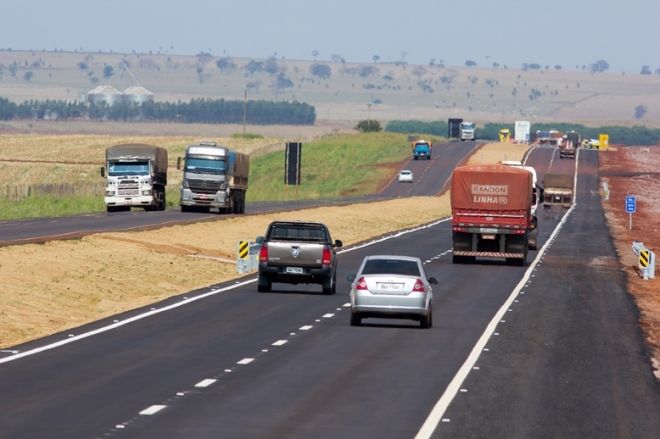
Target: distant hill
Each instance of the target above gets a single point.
(345, 91)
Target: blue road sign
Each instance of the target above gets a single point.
(631, 204)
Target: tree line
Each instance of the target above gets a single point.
(257, 112)
(636, 135)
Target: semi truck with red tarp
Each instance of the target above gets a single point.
(492, 213)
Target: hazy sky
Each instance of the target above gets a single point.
(510, 32)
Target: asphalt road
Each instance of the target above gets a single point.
(226, 361)
(428, 181)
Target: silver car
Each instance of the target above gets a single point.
(391, 286)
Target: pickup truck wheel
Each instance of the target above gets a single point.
(356, 320)
(330, 287)
(264, 285)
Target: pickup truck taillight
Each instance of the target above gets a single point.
(327, 256)
(263, 253)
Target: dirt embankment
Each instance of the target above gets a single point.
(635, 171)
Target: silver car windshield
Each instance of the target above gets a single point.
(391, 266)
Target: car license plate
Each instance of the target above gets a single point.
(294, 270)
(389, 286)
(487, 230)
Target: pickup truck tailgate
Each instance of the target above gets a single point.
(298, 254)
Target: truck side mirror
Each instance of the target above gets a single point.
(178, 162)
(103, 171)
(259, 240)
(338, 243)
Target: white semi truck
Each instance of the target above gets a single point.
(136, 176)
(213, 177)
(467, 131)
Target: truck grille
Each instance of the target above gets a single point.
(204, 186)
(128, 187)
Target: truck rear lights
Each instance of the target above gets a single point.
(361, 284)
(419, 286)
(263, 253)
(327, 256)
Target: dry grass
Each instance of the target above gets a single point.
(62, 284)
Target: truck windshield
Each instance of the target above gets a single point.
(467, 126)
(120, 169)
(205, 165)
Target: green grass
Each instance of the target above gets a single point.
(333, 166)
(50, 206)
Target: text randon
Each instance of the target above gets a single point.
(490, 194)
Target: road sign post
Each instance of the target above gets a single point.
(631, 207)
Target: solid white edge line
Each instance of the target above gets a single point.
(188, 300)
(152, 410)
(437, 412)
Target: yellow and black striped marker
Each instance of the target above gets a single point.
(243, 249)
(644, 258)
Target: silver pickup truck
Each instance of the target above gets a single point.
(297, 252)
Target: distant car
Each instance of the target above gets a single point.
(389, 286)
(405, 176)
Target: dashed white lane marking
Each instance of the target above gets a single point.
(205, 383)
(186, 300)
(437, 412)
(306, 327)
(120, 426)
(246, 361)
(152, 410)
(328, 316)
(280, 343)
(347, 305)
(464, 390)
(227, 370)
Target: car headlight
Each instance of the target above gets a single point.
(184, 184)
(109, 193)
(223, 185)
(146, 192)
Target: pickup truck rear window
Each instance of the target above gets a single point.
(391, 266)
(298, 233)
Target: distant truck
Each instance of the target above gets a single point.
(467, 131)
(422, 149)
(297, 252)
(136, 176)
(492, 213)
(557, 190)
(569, 145)
(213, 177)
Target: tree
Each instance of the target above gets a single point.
(646, 70)
(470, 63)
(321, 70)
(271, 67)
(599, 66)
(640, 111)
(376, 58)
(225, 63)
(369, 126)
(419, 71)
(335, 58)
(82, 65)
(254, 66)
(108, 71)
(28, 76)
(282, 81)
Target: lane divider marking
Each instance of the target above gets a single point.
(152, 410)
(205, 383)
